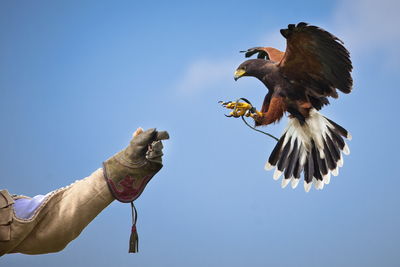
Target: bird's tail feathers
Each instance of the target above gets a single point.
(313, 148)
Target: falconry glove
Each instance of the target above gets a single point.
(128, 172)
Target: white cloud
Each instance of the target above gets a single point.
(204, 73)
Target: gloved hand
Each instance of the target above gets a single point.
(128, 172)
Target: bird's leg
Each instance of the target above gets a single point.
(276, 109)
(240, 108)
(259, 118)
(254, 113)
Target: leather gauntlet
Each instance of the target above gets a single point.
(128, 172)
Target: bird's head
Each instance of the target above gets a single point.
(252, 67)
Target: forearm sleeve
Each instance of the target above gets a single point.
(60, 218)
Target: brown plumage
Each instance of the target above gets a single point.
(314, 66)
(269, 53)
(272, 111)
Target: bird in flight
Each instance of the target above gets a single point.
(299, 81)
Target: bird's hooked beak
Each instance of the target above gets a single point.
(239, 73)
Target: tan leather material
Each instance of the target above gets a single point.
(5, 199)
(5, 233)
(60, 218)
(6, 202)
(5, 215)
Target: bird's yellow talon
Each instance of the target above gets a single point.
(240, 109)
(256, 114)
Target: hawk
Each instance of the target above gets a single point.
(299, 81)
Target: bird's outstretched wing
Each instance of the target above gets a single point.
(316, 60)
(268, 53)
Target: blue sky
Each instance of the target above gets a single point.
(78, 77)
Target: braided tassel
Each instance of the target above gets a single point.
(134, 239)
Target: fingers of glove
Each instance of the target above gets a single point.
(144, 138)
(162, 135)
(144, 142)
(138, 145)
(137, 132)
(154, 152)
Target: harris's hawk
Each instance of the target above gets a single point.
(314, 66)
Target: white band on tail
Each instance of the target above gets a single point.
(313, 148)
